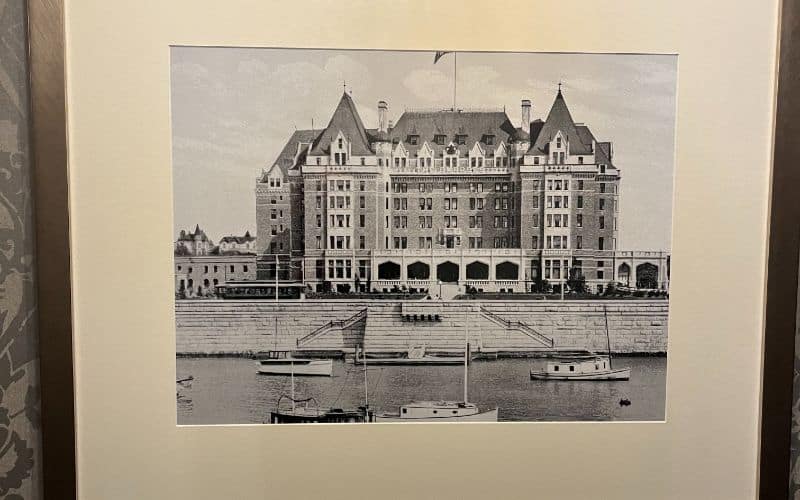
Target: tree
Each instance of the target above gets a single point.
(576, 281)
(540, 285)
(646, 276)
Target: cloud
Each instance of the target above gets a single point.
(429, 85)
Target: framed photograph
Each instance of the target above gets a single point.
(439, 251)
(542, 245)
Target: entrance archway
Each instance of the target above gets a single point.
(646, 275)
(624, 274)
(507, 271)
(418, 271)
(477, 271)
(389, 271)
(447, 272)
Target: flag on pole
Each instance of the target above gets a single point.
(439, 55)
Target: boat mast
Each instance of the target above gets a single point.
(466, 352)
(366, 386)
(608, 337)
(292, 393)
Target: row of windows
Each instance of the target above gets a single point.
(216, 268)
(341, 185)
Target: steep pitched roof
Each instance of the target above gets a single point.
(474, 125)
(346, 120)
(560, 119)
(237, 239)
(286, 158)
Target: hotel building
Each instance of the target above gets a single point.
(458, 197)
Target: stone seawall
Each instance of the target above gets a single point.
(219, 327)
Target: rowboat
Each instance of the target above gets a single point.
(592, 367)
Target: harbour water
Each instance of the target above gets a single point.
(229, 391)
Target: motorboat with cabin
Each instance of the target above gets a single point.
(438, 411)
(284, 363)
(588, 367)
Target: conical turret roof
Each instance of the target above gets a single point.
(559, 119)
(345, 119)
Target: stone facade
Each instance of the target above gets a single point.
(215, 327)
(451, 196)
(199, 275)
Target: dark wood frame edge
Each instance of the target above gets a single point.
(51, 199)
(782, 266)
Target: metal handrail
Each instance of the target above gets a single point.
(519, 326)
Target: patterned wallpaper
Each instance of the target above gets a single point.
(20, 446)
(794, 480)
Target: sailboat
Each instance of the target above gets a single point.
(301, 412)
(583, 367)
(442, 411)
(277, 362)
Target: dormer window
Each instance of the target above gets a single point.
(603, 168)
(340, 143)
(413, 139)
(439, 139)
(461, 139)
(489, 140)
(558, 142)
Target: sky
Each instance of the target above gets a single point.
(233, 109)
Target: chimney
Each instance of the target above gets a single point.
(526, 116)
(383, 112)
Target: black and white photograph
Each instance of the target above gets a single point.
(373, 236)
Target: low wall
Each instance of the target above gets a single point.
(219, 327)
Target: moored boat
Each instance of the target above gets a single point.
(438, 411)
(305, 414)
(415, 356)
(283, 363)
(581, 368)
(277, 362)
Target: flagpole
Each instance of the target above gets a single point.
(455, 78)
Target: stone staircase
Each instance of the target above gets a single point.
(336, 334)
(390, 329)
(517, 325)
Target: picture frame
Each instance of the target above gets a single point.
(777, 399)
(54, 214)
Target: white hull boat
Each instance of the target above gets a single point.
(618, 374)
(298, 366)
(591, 367)
(438, 411)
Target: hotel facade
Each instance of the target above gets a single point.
(453, 197)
